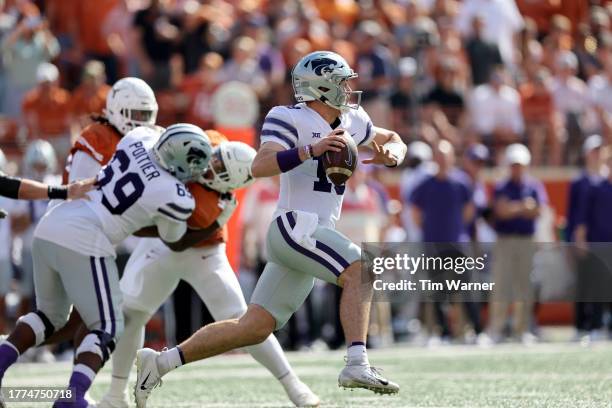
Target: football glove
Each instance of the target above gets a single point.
(228, 204)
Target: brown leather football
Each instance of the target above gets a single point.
(339, 166)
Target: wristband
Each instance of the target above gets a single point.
(288, 159)
(57, 193)
(9, 187)
(307, 151)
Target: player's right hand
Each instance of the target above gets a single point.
(332, 142)
(228, 204)
(78, 189)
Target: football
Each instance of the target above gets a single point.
(339, 166)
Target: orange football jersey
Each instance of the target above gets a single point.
(98, 140)
(207, 203)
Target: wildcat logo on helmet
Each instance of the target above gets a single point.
(195, 154)
(323, 65)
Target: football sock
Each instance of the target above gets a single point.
(270, 355)
(118, 385)
(169, 360)
(8, 356)
(288, 379)
(125, 353)
(357, 354)
(80, 380)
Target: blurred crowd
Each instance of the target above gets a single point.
(488, 71)
(468, 84)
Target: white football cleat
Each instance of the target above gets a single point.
(113, 401)
(300, 394)
(147, 375)
(364, 376)
(89, 399)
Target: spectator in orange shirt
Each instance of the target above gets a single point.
(47, 110)
(90, 96)
(541, 119)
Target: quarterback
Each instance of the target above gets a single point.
(73, 249)
(302, 242)
(154, 270)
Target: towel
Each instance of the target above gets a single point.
(305, 225)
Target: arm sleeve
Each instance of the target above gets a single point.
(9, 186)
(83, 166)
(170, 231)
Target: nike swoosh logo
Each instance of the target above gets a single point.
(349, 160)
(142, 384)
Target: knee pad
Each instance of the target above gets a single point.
(40, 325)
(97, 342)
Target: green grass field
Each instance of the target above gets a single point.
(545, 375)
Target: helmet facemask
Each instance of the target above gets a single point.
(217, 176)
(132, 118)
(345, 94)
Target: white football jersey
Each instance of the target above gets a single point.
(133, 192)
(307, 187)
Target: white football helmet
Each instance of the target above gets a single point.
(131, 103)
(230, 167)
(2, 161)
(39, 160)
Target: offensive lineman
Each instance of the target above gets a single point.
(302, 243)
(129, 103)
(74, 253)
(154, 270)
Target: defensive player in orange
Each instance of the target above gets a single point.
(130, 103)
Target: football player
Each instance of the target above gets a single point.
(302, 242)
(40, 164)
(154, 270)
(26, 189)
(74, 253)
(130, 103)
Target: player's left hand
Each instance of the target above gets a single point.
(228, 204)
(381, 156)
(3, 214)
(78, 189)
